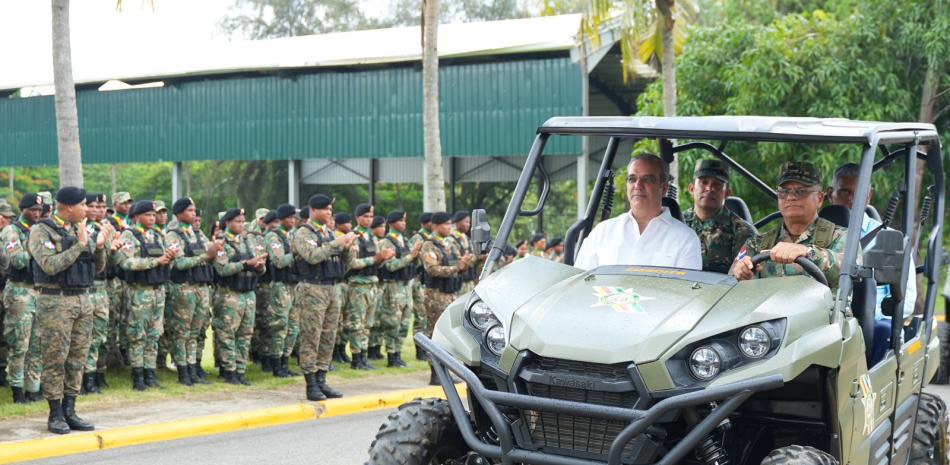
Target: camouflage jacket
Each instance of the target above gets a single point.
(234, 244)
(305, 244)
(175, 238)
(827, 258)
(353, 262)
(45, 245)
(128, 257)
(390, 242)
(432, 257)
(15, 244)
(274, 246)
(720, 237)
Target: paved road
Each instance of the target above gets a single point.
(334, 441)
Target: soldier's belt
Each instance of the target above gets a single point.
(65, 291)
(322, 282)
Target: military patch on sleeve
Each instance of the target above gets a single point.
(276, 246)
(49, 245)
(12, 245)
(312, 242)
(222, 253)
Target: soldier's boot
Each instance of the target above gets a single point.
(56, 424)
(89, 385)
(138, 379)
(229, 376)
(398, 361)
(285, 366)
(313, 391)
(33, 396)
(421, 353)
(160, 361)
(125, 356)
(241, 379)
(343, 357)
(101, 380)
(72, 420)
(277, 368)
(267, 364)
(363, 364)
(3, 377)
(433, 378)
(355, 362)
(18, 397)
(336, 354)
(195, 377)
(184, 377)
(330, 367)
(199, 370)
(325, 388)
(151, 379)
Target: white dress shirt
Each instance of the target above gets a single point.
(666, 241)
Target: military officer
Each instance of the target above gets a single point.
(64, 268)
(419, 319)
(374, 351)
(6, 217)
(395, 276)
(801, 234)
(721, 232)
(189, 290)
(280, 270)
(318, 264)
(343, 224)
(444, 266)
(93, 379)
(254, 230)
(554, 251)
(462, 222)
(143, 259)
(538, 242)
(118, 311)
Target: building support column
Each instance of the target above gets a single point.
(373, 176)
(452, 175)
(177, 170)
(293, 182)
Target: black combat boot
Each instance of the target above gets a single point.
(72, 420)
(393, 361)
(328, 391)
(313, 391)
(160, 361)
(184, 377)
(343, 357)
(199, 370)
(285, 366)
(241, 379)
(101, 380)
(138, 379)
(3, 377)
(124, 353)
(151, 379)
(18, 397)
(355, 362)
(399, 361)
(33, 396)
(421, 353)
(362, 363)
(56, 424)
(372, 353)
(267, 364)
(195, 377)
(336, 354)
(89, 385)
(276, 369)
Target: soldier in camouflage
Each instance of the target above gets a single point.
(164, 341)
(254, 230)
(721, 232)
(280, 271)
(538, 242)
(395, 275)
(7, 215)
(342, 225)
(554, 251)
(19, 297)
(189, 289)
(118, 311)
(143, 259)
(444, 265)
(319, 265)
(65, 263)
(462, 222)
(801, 234)
(419, 319)
(93, 379)
(373, 319)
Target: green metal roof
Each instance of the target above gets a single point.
(488, 109)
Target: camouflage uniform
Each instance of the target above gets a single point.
(64, 316)
(98, 349)
(144, 293)
(115, 287)
(342, 290)
(189, 292)
(262, 296)
(19, 302)
(234, 303)
(420, 320)
(318, 262)
(825, 243)
(468, 276)
(362, 297)
(395, 275)
(440, 257)
(280, 261)
(721, 237)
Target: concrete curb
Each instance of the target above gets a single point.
(76, 443)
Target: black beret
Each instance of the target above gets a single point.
(425, 218)
(304, 213)
(459, 216)
(47, 208)
(71, 195)
(362, 209)
(231, 214)
(284, 211)
(441, 218)
(95, 198)
(320, 201)
(342, 218)
(29, 200)
(142, 206)
(270, 217)
(182, 204)
(553, 243)
(520, 243)
(377, 222)
(395, 216)
(536, 237)
(509, 250)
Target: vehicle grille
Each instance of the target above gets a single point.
(572, 434)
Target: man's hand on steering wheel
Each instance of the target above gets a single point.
(783, 252)
(786, 252)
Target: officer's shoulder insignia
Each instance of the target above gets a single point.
(312, 242)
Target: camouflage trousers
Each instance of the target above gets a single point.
(420, 322)
(262, 317)
(360, 314)
(116, 289)
(342, 291)
(436, 301)
(65, 326)
(293, 322)
(19, 303)
(144, 324)
(233, 327)
(393, 313)
(98, 350)
(319, 316)
(165, 340)
(190, 310)
(278, 323)
(4, 346)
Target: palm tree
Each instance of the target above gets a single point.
(67, 117)
(433, 183)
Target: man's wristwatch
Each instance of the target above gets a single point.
(812, 253)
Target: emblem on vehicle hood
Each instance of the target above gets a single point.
(620, 299)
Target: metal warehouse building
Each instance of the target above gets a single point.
(342, 108)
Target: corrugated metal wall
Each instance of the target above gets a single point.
(488, 109)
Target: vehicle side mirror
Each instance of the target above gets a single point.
(481, 231)
(886, 257)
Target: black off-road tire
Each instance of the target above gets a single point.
(930, 432)
(799, 455)
(420, 432)
(943, 372)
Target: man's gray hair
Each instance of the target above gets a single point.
(848, 170)
(664, 167)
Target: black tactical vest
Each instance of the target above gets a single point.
(366, 249)
(469, 273)
(244, 280)
(447, 285)
(280, 275)
(329, 271)
(403, 274)
(201, 274)
(22, 275)
(81, 273)
(152, 276)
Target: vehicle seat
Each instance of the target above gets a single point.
(674, 207)
(872, 212)
(739, 207)
(836, 214)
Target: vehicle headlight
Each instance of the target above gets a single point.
(705, 363)
(480, 316)
(754, 342)
(495, 339)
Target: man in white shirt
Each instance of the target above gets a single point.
(647, 234)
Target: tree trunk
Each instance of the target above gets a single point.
(928, 96)
(668, 64)
(433, 183)
(67, 117)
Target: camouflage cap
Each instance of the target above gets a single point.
(47, 197)
(6, 210)
(260, 212)
(712, 167)
(220, 215)
(160, 205)
(121, 197)
(800, 172)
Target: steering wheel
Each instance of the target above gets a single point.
(808, 266)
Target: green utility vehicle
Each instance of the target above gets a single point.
(648, 365)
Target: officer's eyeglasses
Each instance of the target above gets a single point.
(648, 179)
(799, 193)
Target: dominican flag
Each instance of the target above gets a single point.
(742, 254)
